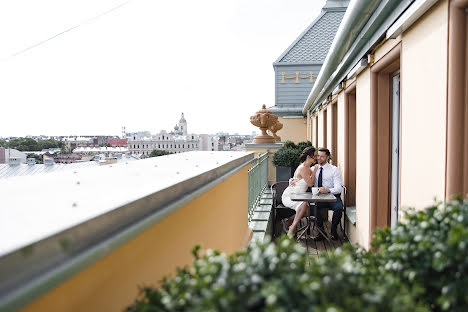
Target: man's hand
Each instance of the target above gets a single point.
(292, 182)
(324, 190)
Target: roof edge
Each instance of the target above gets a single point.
(275, 64)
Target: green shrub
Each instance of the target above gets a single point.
(287, 157)
(288, 154)
(421, 265)
(430, 251)
(157, 153)
(289, 144)
(302, 145)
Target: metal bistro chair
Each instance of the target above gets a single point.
(280, 211)
(343, 217)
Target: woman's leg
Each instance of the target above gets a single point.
(300, 213)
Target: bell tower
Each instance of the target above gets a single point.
(183, 125)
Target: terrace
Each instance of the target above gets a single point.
(95, 234)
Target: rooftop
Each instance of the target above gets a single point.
(10, 171)
(312, 46)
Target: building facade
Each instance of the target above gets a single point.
(176, 141)
(298, 67)
(12, 156)
(391, 104)
(115, 142)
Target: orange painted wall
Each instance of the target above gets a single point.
(217, 219)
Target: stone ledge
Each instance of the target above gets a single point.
(261, 216)
(351, 214)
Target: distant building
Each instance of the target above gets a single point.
(233, 142)
(96, 150)
(114, 142)
(2, 155)
(12, 156)
(77, 141)
(66, 158)
(73, 142)
(208, 142)
(176, 141)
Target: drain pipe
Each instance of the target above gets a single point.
(355, 18)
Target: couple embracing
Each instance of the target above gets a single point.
(311, 174)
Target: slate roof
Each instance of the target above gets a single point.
(313, 44)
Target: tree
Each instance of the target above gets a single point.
(156, 153)
(51, 143)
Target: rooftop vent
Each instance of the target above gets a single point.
(48, 161)
(14, 160)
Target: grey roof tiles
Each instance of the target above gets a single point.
(313, 45)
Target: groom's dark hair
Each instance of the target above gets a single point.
(325, 150)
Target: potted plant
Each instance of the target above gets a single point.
(286, 159)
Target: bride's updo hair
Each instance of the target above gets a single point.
(308, 151)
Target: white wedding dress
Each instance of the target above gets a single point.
(300, 187)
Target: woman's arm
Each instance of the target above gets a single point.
(308, 175)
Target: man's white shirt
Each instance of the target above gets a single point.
(331, 178)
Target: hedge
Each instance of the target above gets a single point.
(420, 265)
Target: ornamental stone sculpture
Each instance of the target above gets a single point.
(263, 119)
(275, 128)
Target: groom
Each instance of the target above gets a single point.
(328, 179)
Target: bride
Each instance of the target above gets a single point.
(303, 177)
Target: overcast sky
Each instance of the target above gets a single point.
(140, 63)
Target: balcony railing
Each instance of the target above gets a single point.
(258, 181)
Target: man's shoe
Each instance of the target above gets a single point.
(334, 235)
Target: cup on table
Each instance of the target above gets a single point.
(315, 190)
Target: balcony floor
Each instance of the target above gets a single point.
(318, 249)
(322, 248)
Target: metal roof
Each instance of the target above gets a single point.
(100, 149)
(8, 171)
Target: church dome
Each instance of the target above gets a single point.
(176, 127)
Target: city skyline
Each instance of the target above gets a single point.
(138, 63)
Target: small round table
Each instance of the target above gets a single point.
(310, 198)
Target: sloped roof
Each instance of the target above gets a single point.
(313, 44)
